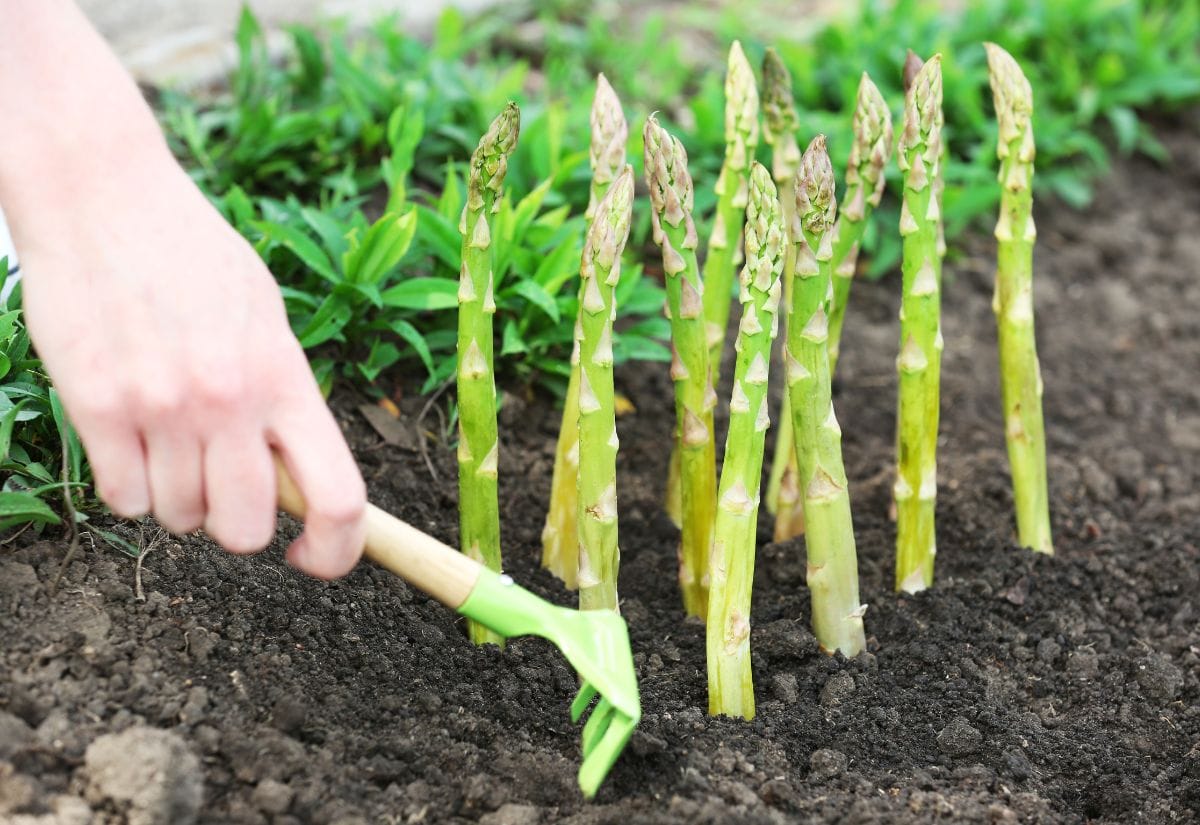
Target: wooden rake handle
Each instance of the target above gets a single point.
(418, 558)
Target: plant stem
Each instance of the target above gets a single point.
(560, 536)
(1020, 373)
(671, 196)
(600, 272)
(919, 363)
(730, 680)
(780, 124)
(478, 443)
(832, 556)
(724, 244)
(865, 181)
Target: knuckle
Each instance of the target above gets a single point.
(344, 508)
(159, 400)
(220, 388)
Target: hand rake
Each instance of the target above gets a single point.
(595, 642)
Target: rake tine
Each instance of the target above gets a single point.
(597, 725)
(582, 700)
(599, 761)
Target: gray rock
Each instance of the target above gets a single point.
(14, 735)
(827, 763)
(785, 688)
(512, 814)
(148, 773)
(272, 797)
(1159, 678)
(959, 738)
(838, 689)
(1084, 663)
(1048, 651)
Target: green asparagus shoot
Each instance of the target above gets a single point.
(780, 124)
(724, 244)
(919, 362)
(730, 681)
(478, 444)
(671, 196)
(865, 181)
(560, 555)
(832, 557)
(600, 272)
(1020, 374)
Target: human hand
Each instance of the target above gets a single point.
(168, 341)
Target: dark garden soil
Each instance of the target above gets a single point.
(1026, 689)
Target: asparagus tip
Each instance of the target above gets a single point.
(1011, 91)
(610, 132)
(815, 202)
(778, 103)
(912, 65)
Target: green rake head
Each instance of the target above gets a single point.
(595, 642)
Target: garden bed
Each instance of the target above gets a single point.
(1061, 689)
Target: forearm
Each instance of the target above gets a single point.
(69, 109)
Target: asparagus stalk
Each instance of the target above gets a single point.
(724, 252)
(671, 196)
(919, 363)
(730, 681)
(478, 444)
(865, 181)
(912, 65)
(600, 271)
(560, 545)
(780, 124)
(832, 557)
(1020, 374)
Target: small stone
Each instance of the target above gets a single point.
(1018, 765)
(1159, 678)
(1084, 663)
(827, 763)
(149, 773)
(837, 690)
(195, 707)
(17, 790)
(512, 814)
(785, 688)
(272, 797)
(1048, 651)
(289, 715)
(14, 735)
(959, 738)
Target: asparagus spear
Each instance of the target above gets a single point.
(478, 445)
(1020, 374)
(560, 553)
(597, 487)
(724, 253)
(912, 65)
(730, 681)
(865, 181)
(832, 558)
(671, 196)
(919, 363)
(780, 123)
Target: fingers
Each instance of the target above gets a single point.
(239, 484)
(316, 456)
(118, 461)
(175, 471)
